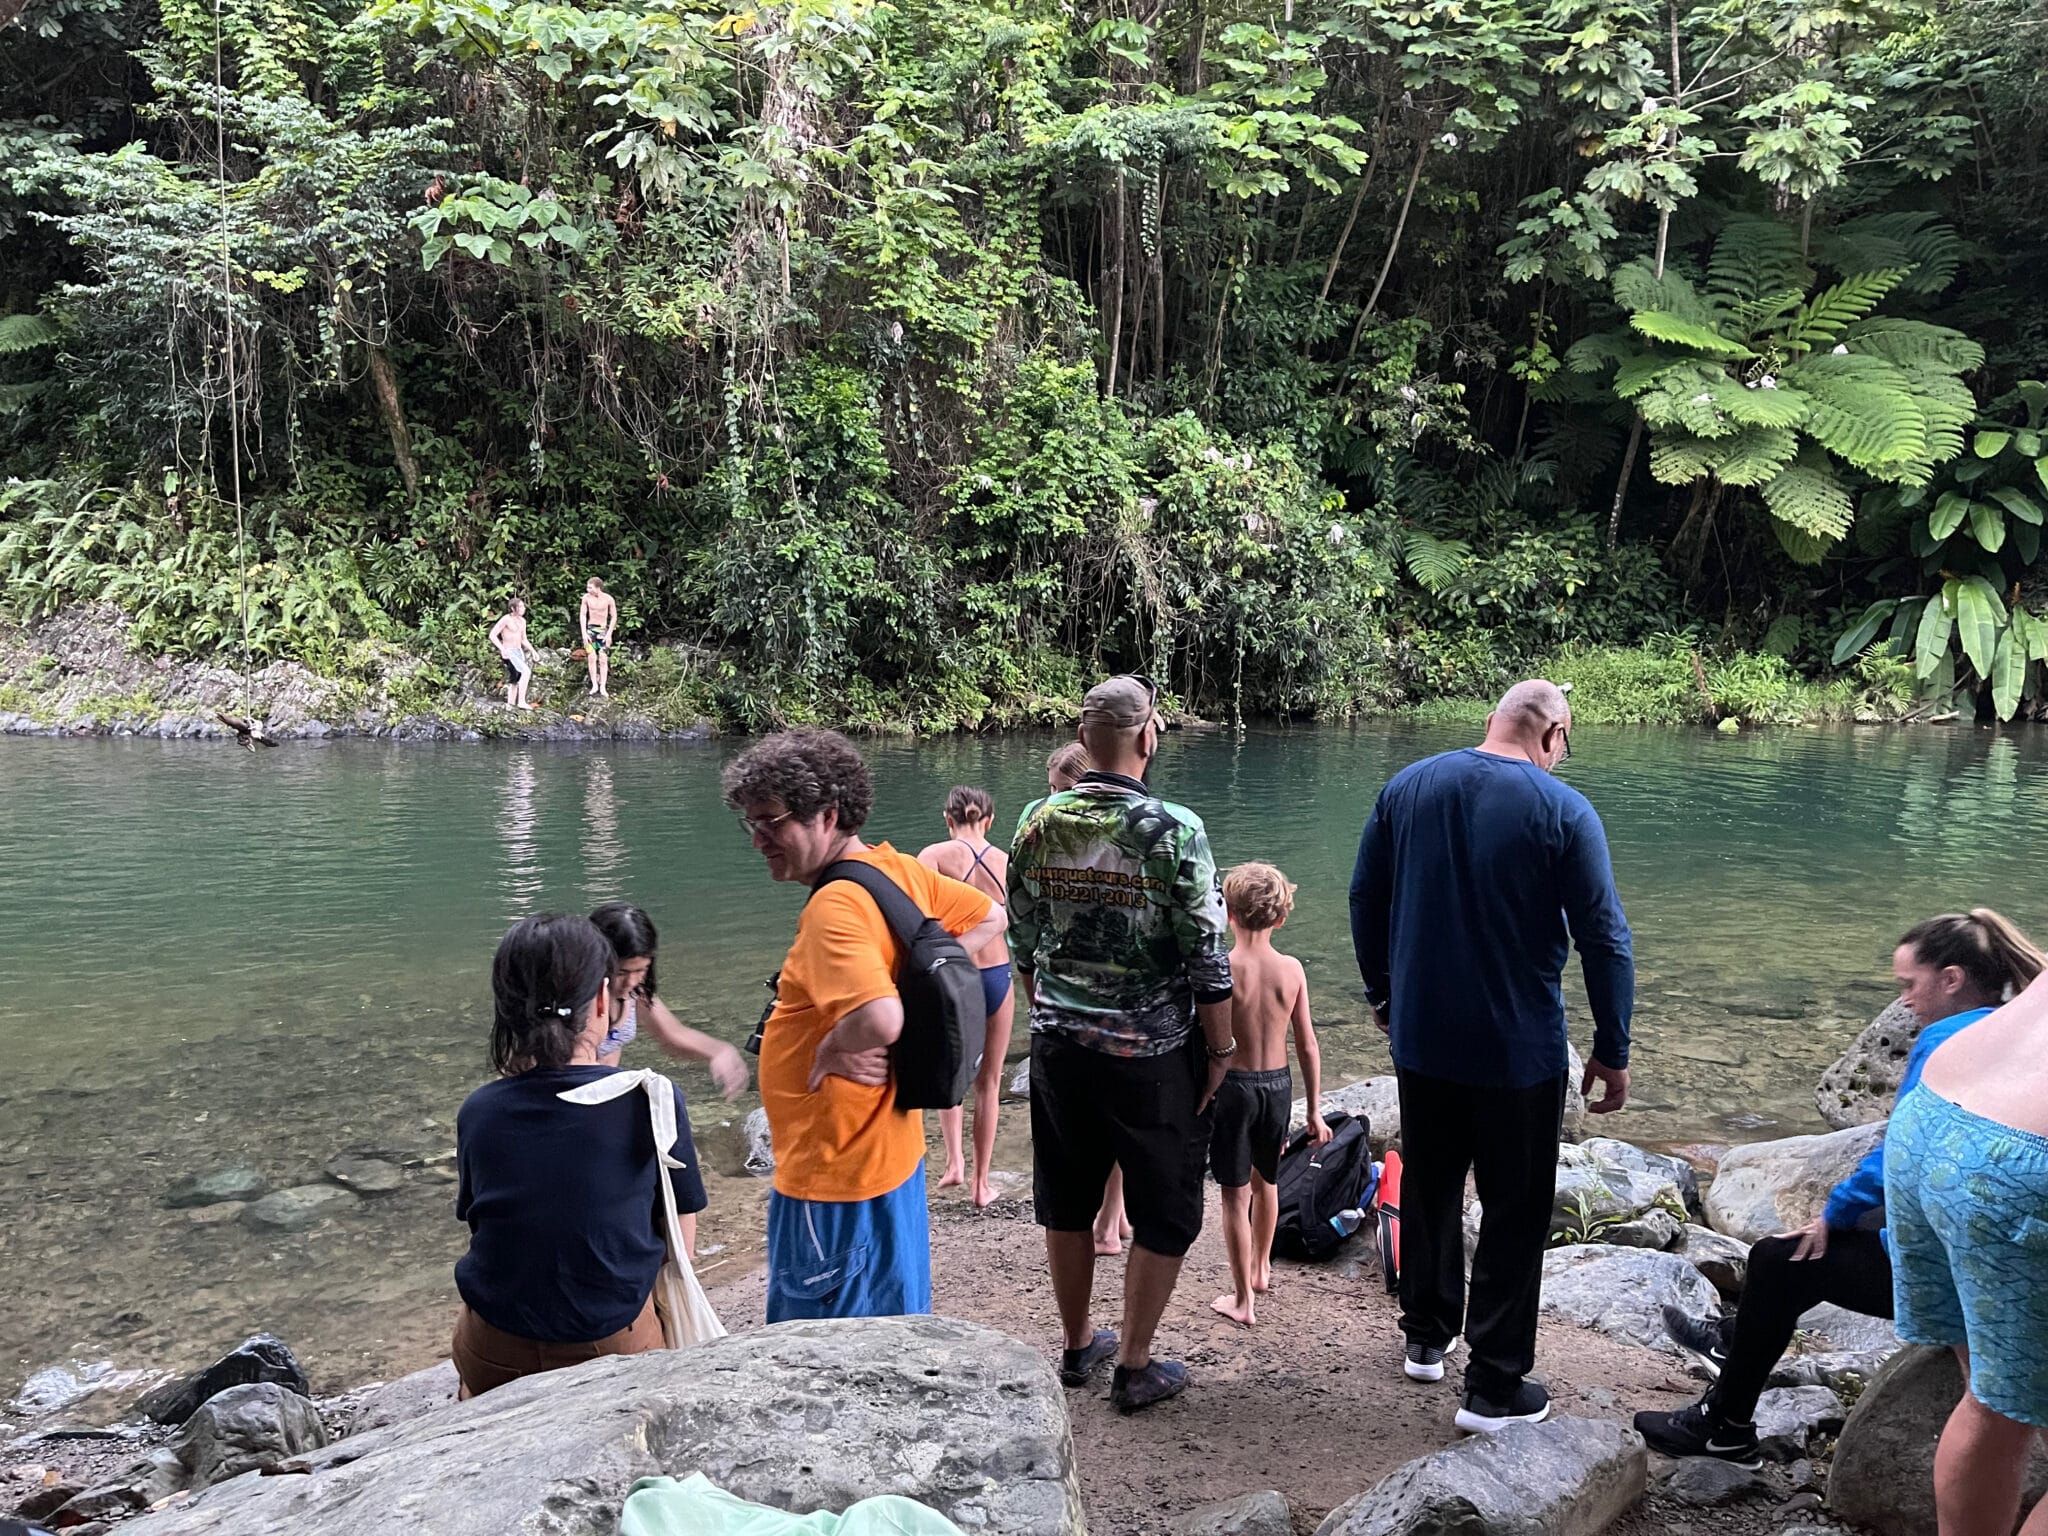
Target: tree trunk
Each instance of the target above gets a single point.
(1158, 260)
(1628, 467)
(1393, 246)
(384, 385)
(1116, 278)
(1351, 220)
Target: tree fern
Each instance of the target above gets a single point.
(1753, 456)
(1754, 258)
(22, 333)
(1915, 344)
(1808, 495)
(1863, 410)
(1821, 322)
(1637, 287)
(1679, 330)
(1748, 403)
(1680, 458)
(1918, 241)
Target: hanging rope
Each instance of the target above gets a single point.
(250, 729)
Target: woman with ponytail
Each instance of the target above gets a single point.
(560, 1197)
(1952, 971)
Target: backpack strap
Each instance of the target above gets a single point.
(898, 910)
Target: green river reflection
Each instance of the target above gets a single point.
(215, 958)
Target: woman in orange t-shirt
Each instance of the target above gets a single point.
(848, 1234)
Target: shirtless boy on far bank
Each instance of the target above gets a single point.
(1269, 993)
(508, 638)
(600, 618)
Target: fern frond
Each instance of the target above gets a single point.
(1434, 563)
(1863, 410)
(1781, 405)
(1678, 330)
(1931, 249)
(1804, 548)
(1754, 455)
(22, 333)
(15, 397)
(1684, 397)
(1591, 354)
(1637, 287)
(1753, 258)
(1946, 409)
(1914, 344)
(1807, 495)
(1821, 321)
(1642, 371)
(1680, 458)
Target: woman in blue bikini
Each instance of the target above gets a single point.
(968, 856)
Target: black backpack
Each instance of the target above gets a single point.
(945, 1013)
(1317, 1183)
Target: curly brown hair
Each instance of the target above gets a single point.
(1258, 896)
(807, 771)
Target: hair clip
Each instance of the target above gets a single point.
(562, 1013)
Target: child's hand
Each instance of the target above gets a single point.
(1318, 1132)
(729, 1072)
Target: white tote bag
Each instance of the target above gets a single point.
(687, 1316)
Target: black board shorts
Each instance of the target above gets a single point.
(1250, 1114)
(1091, 1111)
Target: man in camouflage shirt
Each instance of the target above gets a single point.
(1119, 939)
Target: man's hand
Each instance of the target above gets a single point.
(1616, 1079)
(869, 1067)
(1218, 1070)
(729, 1072)
(1382, 1022)
(1813, 1240)
(1318, 1132)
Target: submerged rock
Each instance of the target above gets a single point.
(246, 1427)
(261, 1357)
(1858, 1089)
(1252, 1514)
(1883, 1476)
(1622, 1291)
(216, 1188)
(57, 1387)
(803, 1416)
(290, 1210)
(1565, 1477)
(1769, 1187)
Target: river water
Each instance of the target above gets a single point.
(215, 958)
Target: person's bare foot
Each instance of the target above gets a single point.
(984, 1192)
(1108, 1247)
(1262, 1279)
(1239, 1312)
(956, 1173)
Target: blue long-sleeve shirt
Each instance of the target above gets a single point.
(1863, 1191)
(1474, 875)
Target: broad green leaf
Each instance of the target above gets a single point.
(2009, 669)
(1987, 527)
(1948, 514)
(1864, 630)
(1980, 615)
(1991, 444)
(2018, 503)
(2026, 541)
(2028, 441)
(433, 250)
(1937, 627)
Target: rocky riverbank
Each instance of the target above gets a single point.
(76, 674)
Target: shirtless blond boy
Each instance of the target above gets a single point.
(508, 638)
(1269, 994)
(600, 620)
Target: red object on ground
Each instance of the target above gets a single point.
(1387, 1203)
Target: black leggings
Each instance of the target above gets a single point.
(1855, 1272)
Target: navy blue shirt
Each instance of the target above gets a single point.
(1470, 870)
(562, 1206)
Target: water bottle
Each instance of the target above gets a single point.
(1348, 1222)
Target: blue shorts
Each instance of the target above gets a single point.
(850, 1258)
(1966, 1205)
(995, 986)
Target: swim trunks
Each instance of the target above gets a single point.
(850, 1258)
(1251, 1114)
(995, 986)
(595, 633)
(1966, 1204)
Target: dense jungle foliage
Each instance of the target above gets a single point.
(909, 360)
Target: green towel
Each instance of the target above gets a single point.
(661, 1506)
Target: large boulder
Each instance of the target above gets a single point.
(1593, 1193)
(243, 1428)
(1883, 1476)
(1858, 1089)
(260, 1357)
(1376, 1099)
(1787, 1419)
(392, 1402)
(1775, 1186)
(1622, 1291)
(1565, 1477)
(1850, 1332)
(1626, 1154)
(800, 1416)
(1251, 1514)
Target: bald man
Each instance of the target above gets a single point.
(1476, 870)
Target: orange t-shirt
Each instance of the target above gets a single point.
(847, 1141)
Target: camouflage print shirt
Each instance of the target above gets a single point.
(1116, 914)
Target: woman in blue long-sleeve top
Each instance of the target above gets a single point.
(1952, 971)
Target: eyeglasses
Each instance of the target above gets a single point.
(760, 827)
(1566, 755)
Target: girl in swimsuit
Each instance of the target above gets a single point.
(968, 856)
(634, 1002)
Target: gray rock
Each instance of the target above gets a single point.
(364, 1175)
(1655, 1229)
(759, 1144)
(1253, 1514)
(1858, 1089)
(1787, 1419)
(1593, 1193)
(1776, 1186)
(1722, 1259)
(1801, 1477)
(1707, 1483)
(106, 1501)
(1622, 1291)
(1565, 1477)
(243, 1428)
(1851, 1332)
(290, 1210)
(1883, 1474)
(215, 1188)
(392, 1402)
(1575, 1119)
(1843, 1372)
(260, 1357)
(1378, 1099)
(804, 1416)
(1625, 1154)
(1020, 1080)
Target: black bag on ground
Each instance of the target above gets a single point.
(1317, 1183)
(945, 1013)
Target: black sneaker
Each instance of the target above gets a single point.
(1077, 1365)
(1705, 1339)
(1699, 1431)
(1530, 1404)
(1425, 1362)
(1131, 1390)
